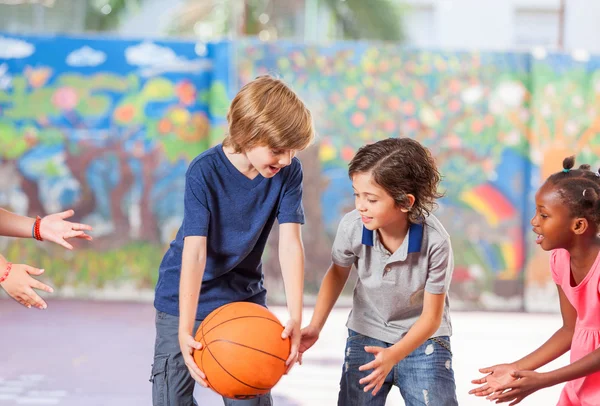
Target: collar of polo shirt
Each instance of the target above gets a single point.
(415, 236)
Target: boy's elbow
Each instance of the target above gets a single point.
(433, 321)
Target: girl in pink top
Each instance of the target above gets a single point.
(566, 221)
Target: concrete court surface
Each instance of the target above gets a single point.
(99, 354)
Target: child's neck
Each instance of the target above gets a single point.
(583, 254)
(241, 162)
(392, 236)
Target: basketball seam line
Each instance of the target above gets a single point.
(240, 317)
(229, 373)
(245, 346)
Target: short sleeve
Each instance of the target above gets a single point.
(342, 253)
(555, 268)
(290, 208)
(441, 266)
(196, 217)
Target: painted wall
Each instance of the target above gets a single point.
(109, 126)
(106, 127)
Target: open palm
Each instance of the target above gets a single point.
(498, 375)
(56, 229)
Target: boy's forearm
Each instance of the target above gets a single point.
(331, 289)
(557, 345)
(292, 270)
(420, 332)
(192, 271)
(14, 225)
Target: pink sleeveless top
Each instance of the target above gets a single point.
(585, 298)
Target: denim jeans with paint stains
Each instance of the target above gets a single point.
(424, 377)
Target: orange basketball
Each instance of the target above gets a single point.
(243, 354)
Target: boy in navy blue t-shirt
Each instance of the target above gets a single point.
(234, 193)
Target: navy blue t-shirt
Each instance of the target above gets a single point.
(236, 215)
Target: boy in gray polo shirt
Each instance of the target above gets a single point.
(399, 327)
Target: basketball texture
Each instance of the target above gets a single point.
(243, 354)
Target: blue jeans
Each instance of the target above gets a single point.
(172, 384)
(424, 377)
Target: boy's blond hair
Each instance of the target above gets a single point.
(266, 112)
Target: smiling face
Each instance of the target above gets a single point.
(552, 222)
(377, 208)
(268, 161)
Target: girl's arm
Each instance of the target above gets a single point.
(14, 225)
(52, 227)
(578, 369)
(17, 281)
(558, 344)
(526, 381)
(193, 262)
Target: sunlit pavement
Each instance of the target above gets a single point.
(99, 353)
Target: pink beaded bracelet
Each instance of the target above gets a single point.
(8, 268)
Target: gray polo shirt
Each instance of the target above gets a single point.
(388, 296)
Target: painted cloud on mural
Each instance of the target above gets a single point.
(14, 48)
(86, 56)
(155, 60)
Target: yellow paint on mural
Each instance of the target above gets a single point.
(327, 152)
(476, 203)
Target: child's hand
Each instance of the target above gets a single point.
(524, 384)
(308, 337)
(292, 330)
(19, 285)
(187, 344)
(54, 228)
(498, 375)
(382, 365)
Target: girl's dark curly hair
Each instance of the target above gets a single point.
(579, 190)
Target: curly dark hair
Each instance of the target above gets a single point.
(579, 189)
(401, 166)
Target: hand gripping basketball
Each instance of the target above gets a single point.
(243, 354)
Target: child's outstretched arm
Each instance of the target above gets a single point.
(291, 259)
(16, 280)
(333, 283)
(528, 382)
(557, 345)
(523, 381)
(193, 262)
(52, 227)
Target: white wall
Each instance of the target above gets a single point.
(151, 21)
(449, 24)
(502, 24)
(582, 27)
(472, 24)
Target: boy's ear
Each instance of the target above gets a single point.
(580, 225)
(411, 202)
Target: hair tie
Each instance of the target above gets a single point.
(566, 170)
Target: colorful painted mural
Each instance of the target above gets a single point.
(564, 119)
(493, 122)
(108, 127)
